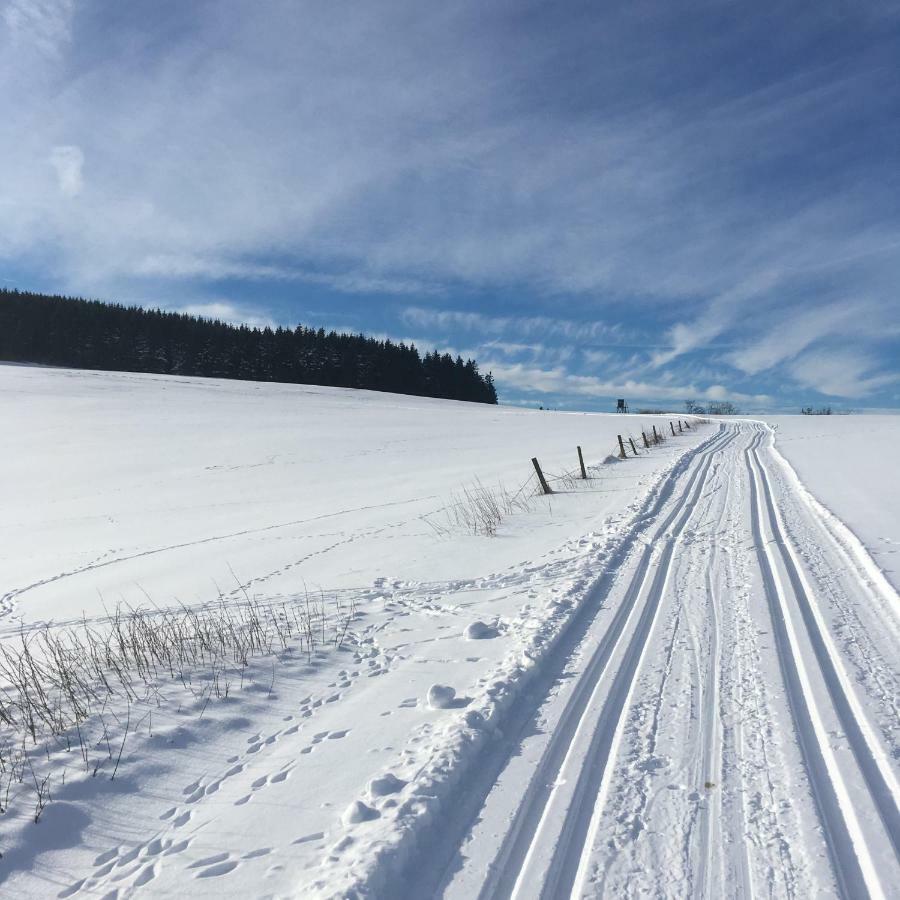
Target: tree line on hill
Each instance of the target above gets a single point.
(712, 408)
(89, 334)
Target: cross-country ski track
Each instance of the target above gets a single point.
(717, 719)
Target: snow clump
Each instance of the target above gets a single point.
(358, 811)
(440, 696)
(386, 784)
(478, 631)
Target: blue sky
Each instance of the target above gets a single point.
(650, 200)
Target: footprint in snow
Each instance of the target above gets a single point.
(109, 855)
(306, 838)
(180, 847)
(222, 868)
(209, 860)
(147, 874)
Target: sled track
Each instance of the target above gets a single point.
(787, 589)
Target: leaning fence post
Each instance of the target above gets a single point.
(581, 463)
(537, 468)
(646, 442)
(655, 436)
(672, 427)
(680, 429)
(633, 448)
(621, 448)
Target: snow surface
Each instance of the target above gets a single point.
(850, 463)
(679, 678)
(148, 490)
(118, 486)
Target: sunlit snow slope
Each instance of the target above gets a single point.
(117, 486)
(677, 678)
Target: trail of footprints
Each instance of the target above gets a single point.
(121, 869)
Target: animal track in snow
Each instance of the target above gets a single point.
(183, 819)
(209, 860)
(222, 868)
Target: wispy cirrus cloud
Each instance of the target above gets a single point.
(843, 373)
(560, 382)
(44, 26)
(527, 326)
(793, 333)
(185, 266)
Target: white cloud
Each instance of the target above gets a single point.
(841, 373)
(528, 326)
(68, 161)
(225, 311)
(303, 132)
(171, 265)
(43, 25)
(559, 381)
(797, 330)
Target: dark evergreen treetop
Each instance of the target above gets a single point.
(89, 334)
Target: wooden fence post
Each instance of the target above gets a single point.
(621, 448)
(633, 448)
(672, 427)
(537, 468)
(680, 429)
(646, 442)
(655, 436)
(581, 463)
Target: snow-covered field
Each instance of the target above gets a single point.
(678, 678)
(850, 463)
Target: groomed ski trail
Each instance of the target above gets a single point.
(567, 807)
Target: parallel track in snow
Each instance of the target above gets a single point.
(548, 837)
(567, 868)
(585, 732)
(837, 805)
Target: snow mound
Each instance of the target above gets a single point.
(386, 784)
(478, 631)
(358, 811)
(611, 459)
(440, 696)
